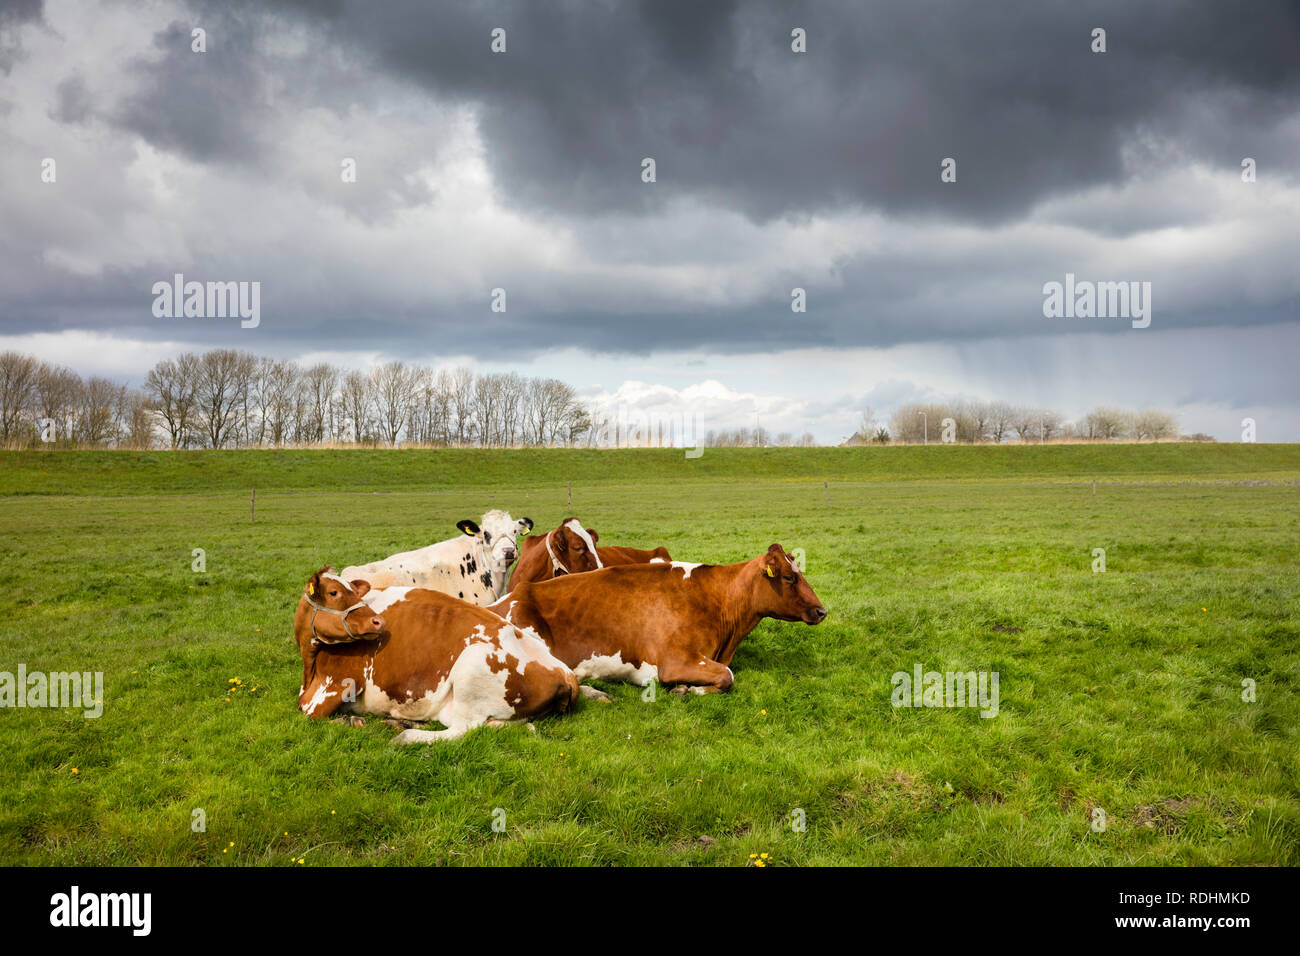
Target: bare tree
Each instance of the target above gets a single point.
(1106, 424)
(17, 385)
(170, 387)
(98, 409)
(1000, 415)
(223, 377)
(55, 399)
(393, 392)
(318, 385)
(1153, 425)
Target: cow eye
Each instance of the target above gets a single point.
(789, 579)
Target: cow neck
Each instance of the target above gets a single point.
(738, 625)
(484, 555)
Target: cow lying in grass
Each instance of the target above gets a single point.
(413, 654)
(471, 567)
(572, 549)
(677, 623)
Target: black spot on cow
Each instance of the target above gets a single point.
(460, 594)
(462, 570)
(487, 537)
(470, 566)
(487, 579)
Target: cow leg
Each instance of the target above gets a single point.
(320, 698)
(694, 675)
(351, 721)
(593, 694)
(427, 736)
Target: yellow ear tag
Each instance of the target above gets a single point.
(468, 532)
(769, 572)
(311, 588)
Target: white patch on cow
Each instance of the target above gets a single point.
(613, 667)
(658, 561)
(322, 694)
(576, 527)
(382, 599)
(686, 566)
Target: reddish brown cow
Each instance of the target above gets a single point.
(572, 549)
(414, 654)
(678, 623)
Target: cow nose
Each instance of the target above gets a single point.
(377, 623)
(819, 612)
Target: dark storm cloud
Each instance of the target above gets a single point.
(714, 94)
(208, 107)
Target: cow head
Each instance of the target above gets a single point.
(338, 618)
(499, 535)
(784, 591)
(573, 548)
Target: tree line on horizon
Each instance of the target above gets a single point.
(225, 398)
(996, 422)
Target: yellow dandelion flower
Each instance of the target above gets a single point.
(753, 856)
(763, 712)
(332, 812)
(75, 770)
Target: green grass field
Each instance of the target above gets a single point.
(1119, 691)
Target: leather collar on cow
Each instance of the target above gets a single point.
(316, 638)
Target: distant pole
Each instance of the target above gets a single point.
(1094, 489)
(252, 506)
(570, 494)
(826, 489)
(925, 429)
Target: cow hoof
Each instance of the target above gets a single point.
(592, 693)
(531, 728)
(350, 721)
(681, 690)
(398, 724)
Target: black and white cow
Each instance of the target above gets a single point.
(471, 567)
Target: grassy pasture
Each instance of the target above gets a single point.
(1119, 691)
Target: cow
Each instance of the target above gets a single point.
(674, 622)
(572, 549)
(471, 567)
(412, 654)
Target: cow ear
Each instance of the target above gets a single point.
(528, 525)
(770, 564)
(559, 542)
(312, 587)
(360, 588)
(468, 527)
(594, 537)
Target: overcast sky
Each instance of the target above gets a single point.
(819, 170)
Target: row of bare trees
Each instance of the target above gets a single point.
(973, 422)
(225, 399)
(41, 402)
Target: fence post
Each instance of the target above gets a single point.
(252, 506)
(570, 494)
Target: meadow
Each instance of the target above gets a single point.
(1121, 692)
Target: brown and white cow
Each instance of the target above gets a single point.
(472, 567)
(572, 549)
(678, 623)
(417, 655)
